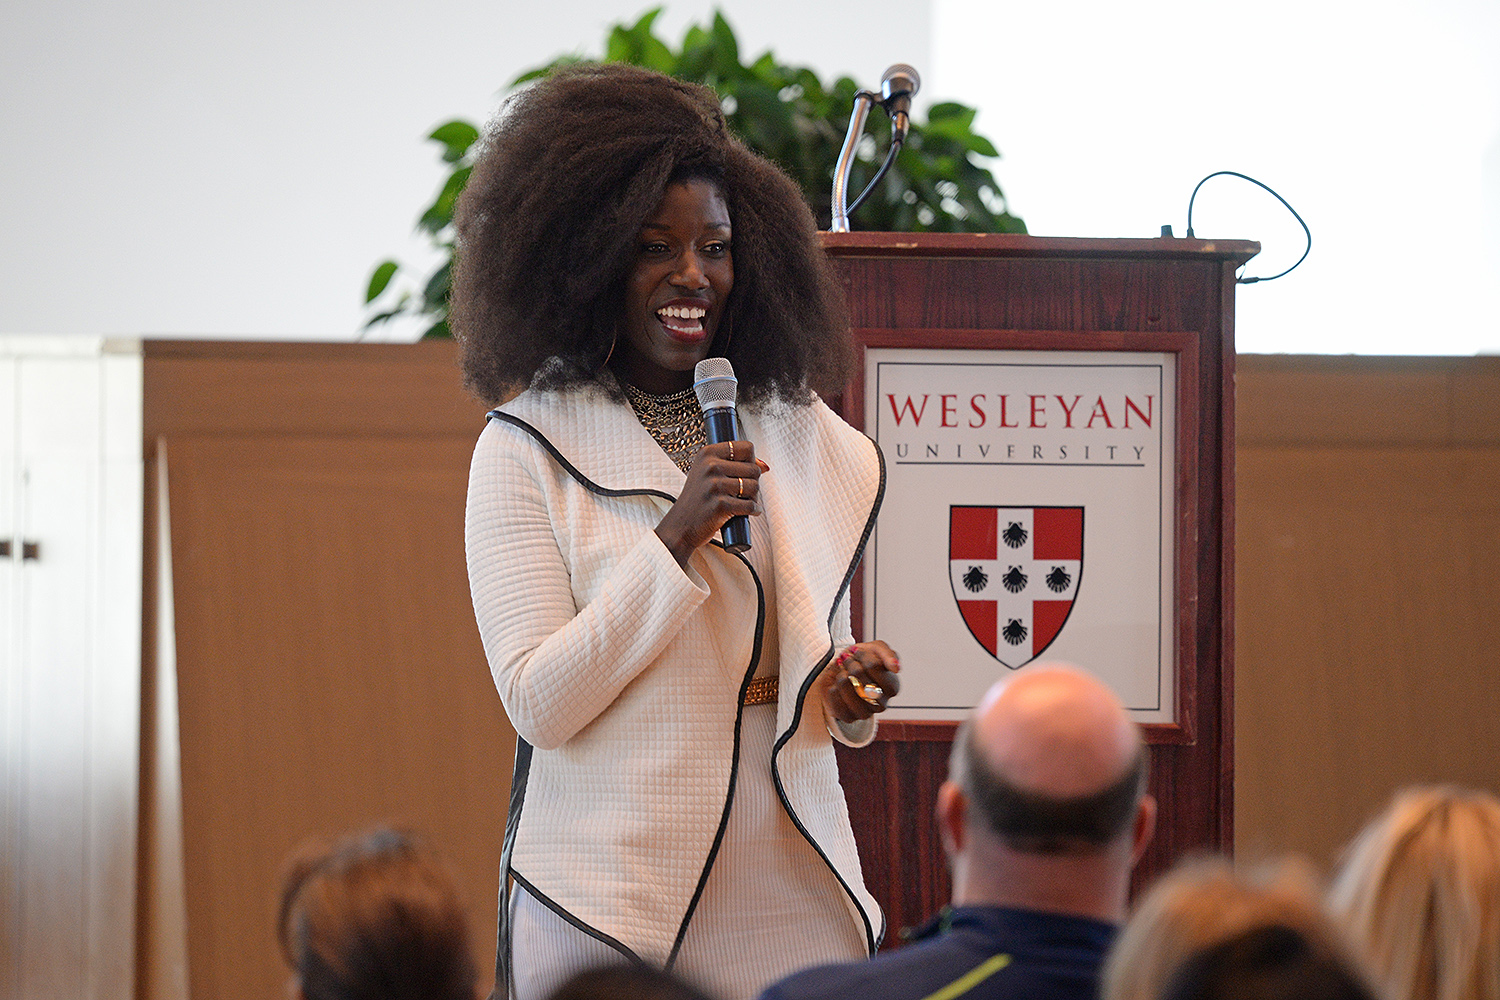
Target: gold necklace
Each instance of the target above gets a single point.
(675, 421)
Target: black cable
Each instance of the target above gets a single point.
(1246, 177)
(890, 157)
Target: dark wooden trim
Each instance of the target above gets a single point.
(238, 389)
(1015, 245)
(1224, 536)
(406, 355)
(916, 731)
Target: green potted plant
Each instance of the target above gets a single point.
(938, 183)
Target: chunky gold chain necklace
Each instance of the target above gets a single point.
(675, 421)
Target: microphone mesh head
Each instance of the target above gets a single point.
(900, 79)
(714, 383)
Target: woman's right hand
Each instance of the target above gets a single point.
(724, 481)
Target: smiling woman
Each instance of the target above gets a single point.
(677, 289)
(676, 797)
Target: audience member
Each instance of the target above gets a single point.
(1419, 892)
(626, 981)
(1043, 816)
(374, 918)
(1200, 903)
(1270, 962)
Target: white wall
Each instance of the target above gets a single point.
(1378, 121)
(171, 167)
(179, 168)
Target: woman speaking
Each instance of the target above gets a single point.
(676, 798)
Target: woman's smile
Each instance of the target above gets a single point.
(678, 286)
(683, 320)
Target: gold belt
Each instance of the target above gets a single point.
(762, 691)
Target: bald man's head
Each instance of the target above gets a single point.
(1051, 763)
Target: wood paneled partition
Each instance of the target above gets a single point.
(1369, 589)
(330, 672)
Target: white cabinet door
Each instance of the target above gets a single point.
(72, 460)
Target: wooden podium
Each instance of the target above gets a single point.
(992, 291)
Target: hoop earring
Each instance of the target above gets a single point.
(728, 328)
(611, 353)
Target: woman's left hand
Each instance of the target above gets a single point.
(863, 681)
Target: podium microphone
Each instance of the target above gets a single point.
(716, 387)
(898, 85)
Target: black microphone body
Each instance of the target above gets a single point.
(716, 387)
(722, 425)
(898, 86)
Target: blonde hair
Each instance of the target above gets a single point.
(1203, 902)
(1420, 892)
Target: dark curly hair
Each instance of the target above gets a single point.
(375, 917)
(550, 221)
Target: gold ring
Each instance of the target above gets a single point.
(731, 451)
(740, 493)
(869, 693)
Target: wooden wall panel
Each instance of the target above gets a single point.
(330, 671)
(891, 786)
(1368, 590)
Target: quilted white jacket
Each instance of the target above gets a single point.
(622, 674)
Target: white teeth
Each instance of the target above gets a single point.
(683, 312)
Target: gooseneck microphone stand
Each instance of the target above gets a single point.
(862, 101)
(898, 86)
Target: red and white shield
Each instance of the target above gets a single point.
(1015, 574)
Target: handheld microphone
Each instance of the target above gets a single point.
(716, 387)
(898, 86)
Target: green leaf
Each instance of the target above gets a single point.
(620, 46)
(438, 330)
(786, 113)
(435, 294)
(547, 70)
(764, 114)
(979, 144)
(457, 136)
(440, 214)
(396, 310)
(379, 279)
(950, 110)
(726, 47)
(952, 129)
(534, 74)
(655, 55)
(767, 70)
(644, 25)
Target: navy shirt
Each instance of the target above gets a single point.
(973, 953)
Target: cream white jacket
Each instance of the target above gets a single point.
(623, 674)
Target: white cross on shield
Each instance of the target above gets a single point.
(1015, 573)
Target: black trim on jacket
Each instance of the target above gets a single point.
(871, 938)
(517, 798)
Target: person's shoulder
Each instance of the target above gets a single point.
(555, 415)
(911, 973)
(811, 425)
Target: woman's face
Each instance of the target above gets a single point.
(677, 288)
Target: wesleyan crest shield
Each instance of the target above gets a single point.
(1015, 573)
